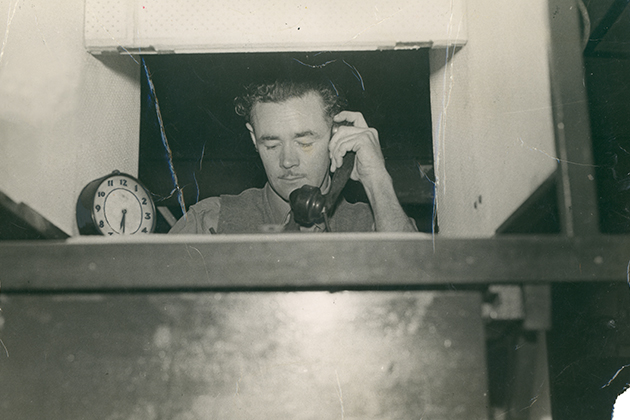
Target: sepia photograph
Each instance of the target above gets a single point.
(388, 210)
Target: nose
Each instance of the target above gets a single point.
(289, 157)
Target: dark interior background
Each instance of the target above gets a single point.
(589, 352)
(589, 343)
(206, 149)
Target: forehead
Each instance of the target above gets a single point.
(306, 111)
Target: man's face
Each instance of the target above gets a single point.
(292, 139)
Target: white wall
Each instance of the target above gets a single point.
(493, 128)
(65, 117)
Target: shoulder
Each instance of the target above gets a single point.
(243, 213)
(200, 217)
(251, 194)
(206, 205)
(244, 203)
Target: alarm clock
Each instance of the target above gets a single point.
(116, 204)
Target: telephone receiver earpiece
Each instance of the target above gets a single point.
(308, 203)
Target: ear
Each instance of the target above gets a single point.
(251, 134)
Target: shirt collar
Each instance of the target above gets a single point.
(280, 209)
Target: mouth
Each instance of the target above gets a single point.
(291, 177)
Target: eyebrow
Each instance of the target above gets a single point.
(269, 138)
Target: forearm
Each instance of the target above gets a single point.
(388, 213)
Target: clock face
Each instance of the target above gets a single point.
(122, 206)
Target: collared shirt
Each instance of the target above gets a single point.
(203, 217)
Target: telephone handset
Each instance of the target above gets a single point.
(308, 203)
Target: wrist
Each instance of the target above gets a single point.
(388, 213)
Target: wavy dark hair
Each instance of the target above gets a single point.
(283, 90)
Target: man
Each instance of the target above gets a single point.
(302, 135)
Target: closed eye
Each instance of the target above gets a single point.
(270, 145)
(306, 133)
(305, 139)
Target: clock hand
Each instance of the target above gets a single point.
(122, 221)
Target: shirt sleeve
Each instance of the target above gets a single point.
(201, 218)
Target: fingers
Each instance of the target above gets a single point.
(351, 133)
(352, 124)
(342, 142)
(353, 118)
(364, 141)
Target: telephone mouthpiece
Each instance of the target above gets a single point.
(307, 204)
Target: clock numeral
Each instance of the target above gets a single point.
(97, 207)
(123, 182)
(144, 201)
(110, 233)
(101, 224)
(145, 230)
(135, 187)
(147, 216)
(101, 194)
(110, 183)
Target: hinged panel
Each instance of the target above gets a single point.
(163, 26)
(235, 356)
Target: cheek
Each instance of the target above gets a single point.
(268, 158)
(321, 163)
(321, 152)
(316, 156)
